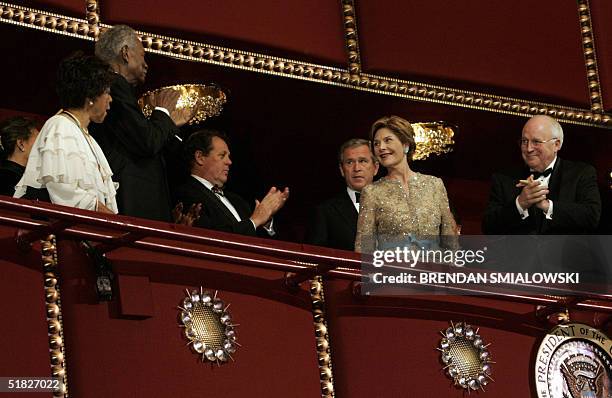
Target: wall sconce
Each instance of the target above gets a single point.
(432, 138)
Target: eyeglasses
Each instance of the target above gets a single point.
(523, 142)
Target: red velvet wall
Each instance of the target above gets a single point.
(496, 46)
(304, 28)
(73, 8)
(601, 11)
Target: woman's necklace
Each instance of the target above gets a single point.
(87, 138)
(76, 121)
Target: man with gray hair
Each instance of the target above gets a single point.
(335, 221)
(133, 143)
(550, 195)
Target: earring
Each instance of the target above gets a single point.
(21, 149)
(406, 149)
(90, 103)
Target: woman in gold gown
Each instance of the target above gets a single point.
(405, 207)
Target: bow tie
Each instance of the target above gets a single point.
(217, 190)
(545, 173)
(357, 195)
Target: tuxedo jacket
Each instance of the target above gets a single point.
(134, 148)
(573, 190)
(334, 224)
(214, 214)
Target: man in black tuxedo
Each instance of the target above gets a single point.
(335, 221)
(209, 159)
(132, 143)
(550, 196)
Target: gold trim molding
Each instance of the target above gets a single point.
(42, 20)
(351, 39)
(260, 63)
(323, 346)
(53, 305)
(590, 56)
(93, 16)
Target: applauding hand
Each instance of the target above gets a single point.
(269, 205)
(533, 192)
(188, 218)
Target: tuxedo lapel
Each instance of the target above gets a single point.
(554, 187)
(239, 204)
(344, 206)
(213, 199)
(554, 184)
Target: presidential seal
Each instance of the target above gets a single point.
(574, 361)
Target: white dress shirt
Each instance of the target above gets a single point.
(351, 194)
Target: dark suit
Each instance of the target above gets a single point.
(573, 190)
(334, 224)
(214, 214)
(10, 174)
(133, 146)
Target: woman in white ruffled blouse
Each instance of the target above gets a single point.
(65, 160)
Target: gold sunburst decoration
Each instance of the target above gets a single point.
(465, 356)
(208, 326)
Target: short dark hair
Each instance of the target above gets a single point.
(80, 78)
(201, 140)
(14, 129)
(400, 127)
(354, 143)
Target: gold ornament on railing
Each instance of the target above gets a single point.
(207, 100)
(432, 138)
(208, 326)
(465, 356)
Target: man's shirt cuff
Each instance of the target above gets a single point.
(549, 213)
(523, 213)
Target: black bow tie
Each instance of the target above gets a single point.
(357, 195)
(545, 173)
(217, 190)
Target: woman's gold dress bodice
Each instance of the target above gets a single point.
(388, 214)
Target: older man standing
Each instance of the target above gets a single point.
(132, 143)
(550, 196)
(335, 221)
